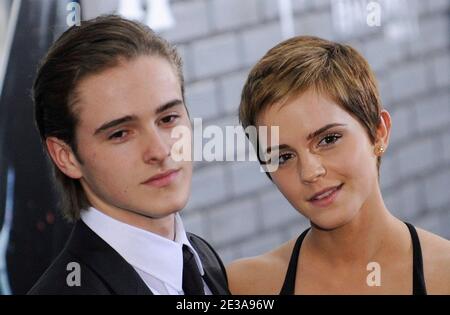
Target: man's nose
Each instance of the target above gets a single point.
(156, 146)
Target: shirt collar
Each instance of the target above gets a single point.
(147, 251)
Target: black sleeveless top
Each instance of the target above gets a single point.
(419, 287)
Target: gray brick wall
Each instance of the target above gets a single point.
(215, 55)
(203, 100)
(249, 216)
(235, 206)
(233, 14)
(192, 21)
(256, 41)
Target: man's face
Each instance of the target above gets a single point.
(126, 117)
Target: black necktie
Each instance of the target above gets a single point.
(192, 280)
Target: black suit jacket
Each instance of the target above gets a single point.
(104, 271)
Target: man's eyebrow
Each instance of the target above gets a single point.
(114, 123)
(168, 105)
(321, 130)
(129, 118)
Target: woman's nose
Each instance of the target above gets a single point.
(311, 168)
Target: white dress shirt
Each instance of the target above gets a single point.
(157, 260)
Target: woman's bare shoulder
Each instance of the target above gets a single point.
(436, 261)
(263, 274)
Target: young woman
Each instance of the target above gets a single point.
(333, 132)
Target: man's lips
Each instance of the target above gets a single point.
(162, 179)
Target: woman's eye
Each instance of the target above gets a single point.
(283, 158)
(329, 139)
(118, 135)
(169, 119)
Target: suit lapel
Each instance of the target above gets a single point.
(112, 268)
(215, 287)
(120, 276)
(213, 277)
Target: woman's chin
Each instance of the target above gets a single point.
(330, 223)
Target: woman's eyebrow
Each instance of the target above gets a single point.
(277, 148)
(310, 136)
(321, 130)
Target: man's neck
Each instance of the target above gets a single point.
(164, 227)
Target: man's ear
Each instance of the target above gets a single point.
(384, 130)
(64, 158)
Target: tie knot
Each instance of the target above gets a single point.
(192, 280)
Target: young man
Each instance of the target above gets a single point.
(107, 97)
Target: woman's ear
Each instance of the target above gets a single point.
(383, 130)
(64, 158)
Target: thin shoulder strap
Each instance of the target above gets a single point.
(289, 282)
(419, 287)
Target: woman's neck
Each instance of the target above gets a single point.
(361, 239)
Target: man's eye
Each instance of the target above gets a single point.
(118, 135)
(169, 119)
(329, 139)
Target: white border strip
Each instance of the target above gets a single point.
(286, 18)
(5, 231)
(11, 30)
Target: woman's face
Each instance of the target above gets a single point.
(327, 163)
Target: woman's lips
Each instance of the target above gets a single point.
(163, 180)
(326, 198)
